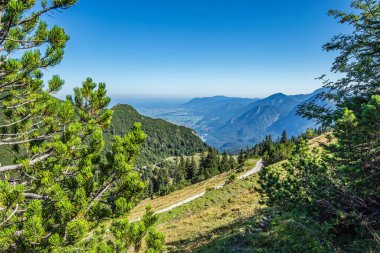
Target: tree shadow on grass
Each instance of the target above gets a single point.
(230, 238)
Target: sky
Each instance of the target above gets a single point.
(197, 48)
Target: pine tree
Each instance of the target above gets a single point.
(339, 188)
(224, 164)
(155, 241)
(357, 63)
(209, 159)
(232, 162)
(187, 163)
(256, 151)
(267, 144)
(59, 184)
(202, 160)
(163, 182)
(211, 162)
(241, 157)
(180, 171)
(191, 169)
(284, 137)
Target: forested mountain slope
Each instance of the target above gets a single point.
(164, 139)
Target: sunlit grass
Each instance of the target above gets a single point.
(204, 219)
(187, 192)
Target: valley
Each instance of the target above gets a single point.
(230, 124)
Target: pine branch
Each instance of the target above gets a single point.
(10, 216)
(19, 166)
(35, 196)
(99, 194)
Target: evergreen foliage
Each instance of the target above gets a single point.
(336, 190)
(59, 186)
(275, 151)
(241, 157)
(284, 137)
(163, 138)
(169, 176)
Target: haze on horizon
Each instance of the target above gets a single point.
(193, 48)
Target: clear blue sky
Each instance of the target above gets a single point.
(188, 48)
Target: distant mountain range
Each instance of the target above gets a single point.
(231, 123)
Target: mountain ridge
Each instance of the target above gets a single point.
(232, 123)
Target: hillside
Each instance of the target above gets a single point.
(190, 191)
(195, 226)
(236, 218)
(228, 219)
(230, 123)
(164, 139)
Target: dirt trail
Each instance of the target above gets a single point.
(252, 171)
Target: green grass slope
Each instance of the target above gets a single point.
(211, 223)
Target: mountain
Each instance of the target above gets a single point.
(250, 124)
(214, 110)
(209, 104)
(164, 139)
(293, 123)
(231, 123)
(211, 112)
(271, 115)
(304, 97)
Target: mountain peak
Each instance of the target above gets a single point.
(278, 95)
